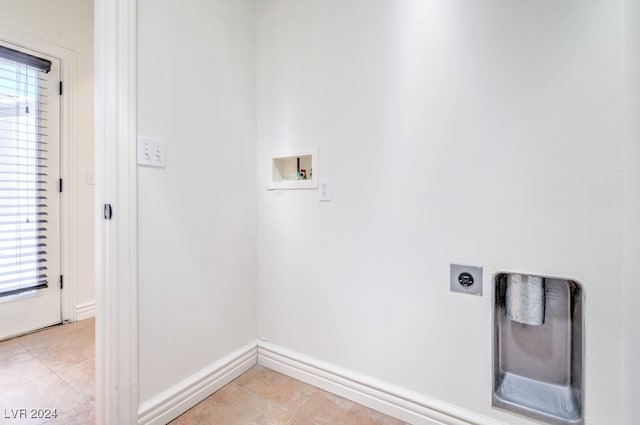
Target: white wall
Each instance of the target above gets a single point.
(485, 133)
(197, 217)
(69, 23)
(632, 214)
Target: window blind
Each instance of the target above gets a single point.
(23, 172)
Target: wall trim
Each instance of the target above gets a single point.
(176, 400)
(408, 406)
(115, 37)
(85, 310)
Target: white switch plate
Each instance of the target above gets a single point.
(90, 177)
(152, 152)
(325, 189)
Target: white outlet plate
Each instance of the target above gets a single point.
(474, 273)
(325, 189)
(152, 152)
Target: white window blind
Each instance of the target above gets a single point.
(23, 172)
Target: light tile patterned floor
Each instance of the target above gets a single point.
(54, 369)
(264, 397)
(51, 369)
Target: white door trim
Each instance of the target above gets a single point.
(68, 244)
(116, 184)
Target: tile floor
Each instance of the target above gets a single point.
(50, 369)
(54, 369)
(263, 397)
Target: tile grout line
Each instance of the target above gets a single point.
(55, 373)
(33, 357)
(307, 400)
(294, 413)
(297, 413)
(258, 396)
(79, 391)
(51, 370)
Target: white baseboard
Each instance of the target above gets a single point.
(408, 406)
(176, 400)
(86, 310)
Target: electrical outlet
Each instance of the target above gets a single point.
(325, 190)
(466, 279)
(152, 152)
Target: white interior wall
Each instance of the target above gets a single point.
(486, 133)
(69, 23)
(632, 214)
(197, 217)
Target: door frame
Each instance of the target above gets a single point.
(116, 239)
(68, 244)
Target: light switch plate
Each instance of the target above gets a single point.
(90, 177)
(466, 279)
(152, 152)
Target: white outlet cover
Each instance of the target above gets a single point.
(324, 187)
(455, 284)
(151, 152)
